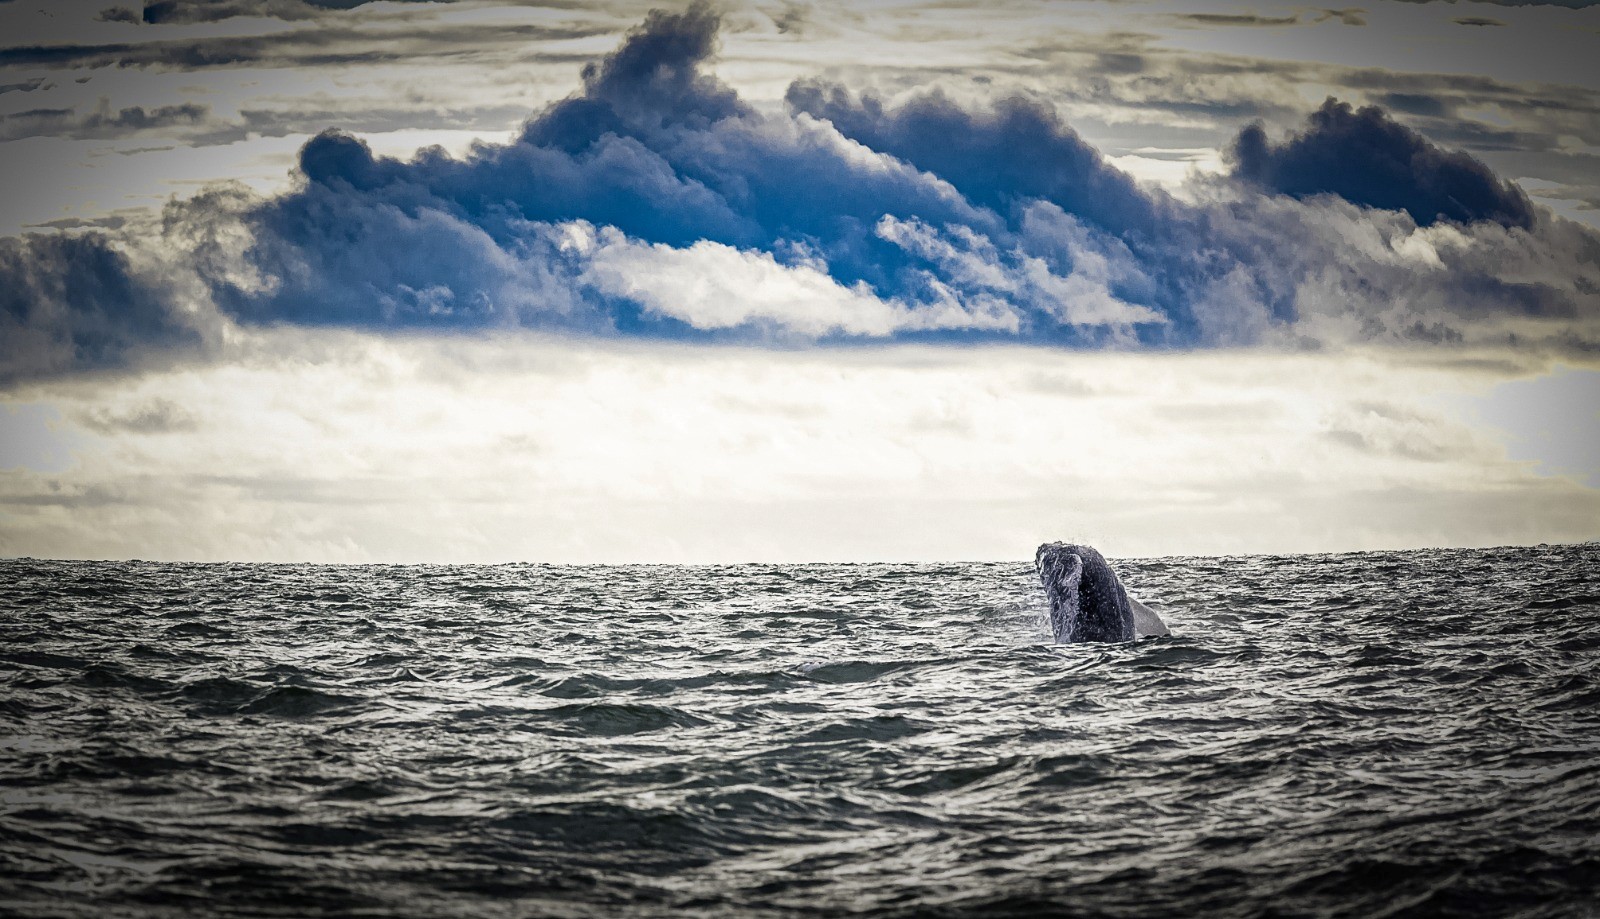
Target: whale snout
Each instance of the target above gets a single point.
(1057, 563)
(1087, 600)
(1054, 554)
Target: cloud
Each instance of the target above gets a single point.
(319, 44)
(655, 75)
(974, 270)
(74, 302)
(654, 202)
(1386, 429)
(102, 122)
(713, 286)
(1239, 19)
(119, 14)
(282, 121)
(659, 150)
(158, 416)
(1368, 158)
(165, 11)
(995, 217)
(652, 146)
(1352, 16)
(23, 86)
(1016, 152)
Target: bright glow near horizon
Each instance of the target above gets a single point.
(419, 377)
(364, 448)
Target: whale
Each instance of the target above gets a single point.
(1087, 599)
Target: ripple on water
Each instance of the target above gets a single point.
(1358, 734)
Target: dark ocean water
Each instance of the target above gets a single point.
(1395, 734)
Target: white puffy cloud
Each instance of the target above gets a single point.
(710, 285)
(972, 263)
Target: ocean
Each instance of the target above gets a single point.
(1373, 734)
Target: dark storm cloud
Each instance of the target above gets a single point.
(944, 220)
(1367, 158)
(924, 201)
(1018, 151)
(652, 146)
(656, 73)
(73, 302)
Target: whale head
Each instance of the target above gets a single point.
(1087, 602)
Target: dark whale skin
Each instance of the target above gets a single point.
(1087, 600)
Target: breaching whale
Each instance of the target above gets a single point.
(1087, 601)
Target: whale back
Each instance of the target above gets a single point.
(1087, 601)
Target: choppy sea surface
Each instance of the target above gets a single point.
(1379, 734)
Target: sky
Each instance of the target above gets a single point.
(485, 281)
